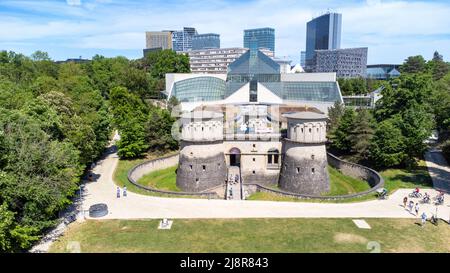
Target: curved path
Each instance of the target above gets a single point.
(136, 206)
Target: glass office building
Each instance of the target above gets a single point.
(205, 41)
(265, 38)
(322, 33)
(182, 40)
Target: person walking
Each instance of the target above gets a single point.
(124, 191)
(424, 218)
(417, 209)
(118, 192)
(411, 205)
(405, 201)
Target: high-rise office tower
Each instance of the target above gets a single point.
(322, 33)
(303, 59)
(265, 38)
(205, 41)
(182, 40)
(158, 39)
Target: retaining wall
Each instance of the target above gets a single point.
(347, 168)
(142, 169)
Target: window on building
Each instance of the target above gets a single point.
(298, 170)
(204, 167)
(313, 170)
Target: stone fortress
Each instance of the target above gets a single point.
(256, 123)
(296, 163)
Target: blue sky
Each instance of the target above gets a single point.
(391, 29)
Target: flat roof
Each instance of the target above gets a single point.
(305, 115)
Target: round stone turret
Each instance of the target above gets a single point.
(202, 160)
(305, 166)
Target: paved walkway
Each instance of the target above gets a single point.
(136, 206)
(439, 169)
(233, 186)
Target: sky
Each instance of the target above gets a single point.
(391, 29)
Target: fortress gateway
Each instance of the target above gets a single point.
(256, 124)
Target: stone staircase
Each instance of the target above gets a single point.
(233, 187)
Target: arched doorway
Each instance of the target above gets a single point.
(235, 157)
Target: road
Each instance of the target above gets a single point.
(439, 169)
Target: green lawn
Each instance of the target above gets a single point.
(402, 178)
(124, 165)
(163, 179)
(394, 179)
(341, 184)
(256, 235)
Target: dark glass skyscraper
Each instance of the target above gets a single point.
(205, 41)
(265, 37)
(323, 33)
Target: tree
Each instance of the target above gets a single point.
(335, 114)
(160, 130)
(387, 146)
(414, 64)
(341, 135)
(130, 116)
(437, 57)
(412, 89)
(361, 134)
(416, 127)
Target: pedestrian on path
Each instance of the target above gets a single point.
(118, 192)
(417, 209)
(405, 201)
(124, 191)
(411, 205)
(424, 218)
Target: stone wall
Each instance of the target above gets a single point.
(351, 169)
(153, 165)
(355, 170)
(197, 174)
(158, 164)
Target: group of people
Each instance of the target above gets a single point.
(124, 192)
(426, 199)
(233, 180)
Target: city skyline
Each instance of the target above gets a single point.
(73, 28)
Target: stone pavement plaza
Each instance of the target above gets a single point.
(136, 206)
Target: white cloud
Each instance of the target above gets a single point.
(391, 29)
(73, 2)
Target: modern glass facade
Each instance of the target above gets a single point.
(382, 71)
(265, 38)
(305, 91)
(199, 89)
(322, 33)
(254, 69)
(205, 41)
(182, 40)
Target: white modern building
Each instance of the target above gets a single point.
(254, 78)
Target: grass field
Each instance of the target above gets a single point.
(256, 235)
(124, 165)
(163, 179)
(394, 179)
